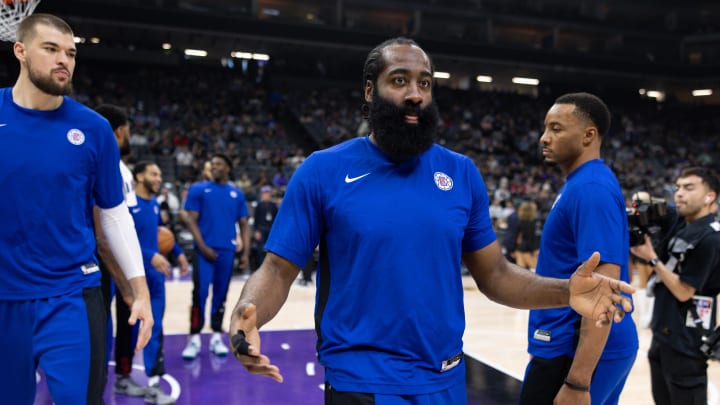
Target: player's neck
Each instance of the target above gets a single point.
(579, 161)
(26, 95)
(142, 192)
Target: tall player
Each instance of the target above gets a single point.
(212, 209)
(146, 214)
(57, 159)
(389, 313)
(125, 335)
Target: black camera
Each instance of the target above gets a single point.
(644, 218)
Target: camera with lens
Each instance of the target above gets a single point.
(645, 218)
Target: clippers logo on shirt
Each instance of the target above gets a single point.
(233, 194)
(443, 181)
(76, 136)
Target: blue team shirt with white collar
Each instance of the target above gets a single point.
(219, 208)
(54, 165)
(389, 312)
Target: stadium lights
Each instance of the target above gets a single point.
(250, 55)
(241, 55)
(95, 40)
(79, 40)
(441, 75)
(526, 80)
(484, 79)
(196, 52)
(166, 46)
(656, 94)
(702, 92)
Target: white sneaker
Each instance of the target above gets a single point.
(193, 348)
(217, 346)
(155, 395)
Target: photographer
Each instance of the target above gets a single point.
(688, 281)
(651, 216)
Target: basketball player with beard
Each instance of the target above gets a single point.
(146, 215)
(394, 215)
(58, 159)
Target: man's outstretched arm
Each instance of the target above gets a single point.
(592, 295)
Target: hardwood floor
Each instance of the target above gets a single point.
(495, 335)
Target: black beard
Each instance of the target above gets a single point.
(398, 139)
(125, 149)
(48, 86)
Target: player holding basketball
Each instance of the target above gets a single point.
(146, 215)
(211, 210)
(57, 158)
(394, 213)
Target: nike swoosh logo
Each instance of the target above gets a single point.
(349, 179)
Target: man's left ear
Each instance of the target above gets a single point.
(590, 134)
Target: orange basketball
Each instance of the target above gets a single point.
(166, 240)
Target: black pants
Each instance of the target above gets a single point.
(333, 397)
(676, 379)
(544, 379)
(98, 362)
(124, 349)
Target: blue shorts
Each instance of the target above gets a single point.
(65, 336)
(544, 378)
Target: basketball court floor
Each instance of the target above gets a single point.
(495, 347)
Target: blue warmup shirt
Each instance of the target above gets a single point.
(53, 166)
(146, 215)
(588, 215)
(219, 208)
(389, 308)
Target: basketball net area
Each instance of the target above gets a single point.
(11, 13)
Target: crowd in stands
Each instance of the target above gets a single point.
(179, 119)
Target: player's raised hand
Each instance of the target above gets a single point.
(595, 296)
(245, 343)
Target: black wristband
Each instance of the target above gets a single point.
(576, 387)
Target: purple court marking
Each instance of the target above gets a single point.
(214, 380)
(223, 381)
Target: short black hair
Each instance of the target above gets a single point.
(375, 63)
(26, 30)
(708, 177)
(141, 166)
(115, 115)
(591, 107)
(225, 158)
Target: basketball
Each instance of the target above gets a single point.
(166, 240)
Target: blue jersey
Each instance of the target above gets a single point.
(219, 207)
(146, 215)
(54, 165)
(389, 309)
(588, 215)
